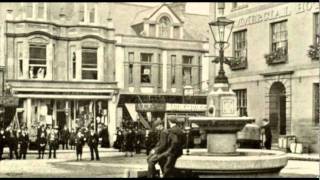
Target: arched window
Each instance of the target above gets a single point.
(164, 27)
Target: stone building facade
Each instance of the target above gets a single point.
(275, 72)
(160, 51)
(79, 64)
(59, 60)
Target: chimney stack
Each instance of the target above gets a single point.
(110, 22)
(221, 7)
(9, 14)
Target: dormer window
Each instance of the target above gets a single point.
(92, 13)
(29, 10)
(164, 27)
(35, 11)
(87, 13)
(40, 13)
(81, 12)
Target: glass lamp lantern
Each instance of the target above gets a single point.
(221, 30)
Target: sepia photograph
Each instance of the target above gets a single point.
(159, 89)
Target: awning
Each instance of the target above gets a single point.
(131, 107)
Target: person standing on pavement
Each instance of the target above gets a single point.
(119, 139)
(129, 137)
(79, 142)
(53, 140)
(42, 142)
(160, 147)
(12, 142)
(266, 133)
(105, 137)
(72, 138)
(138, 139)
(93, 141)
(2, 142)
(65, 134)
(24, 143)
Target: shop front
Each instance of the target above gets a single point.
(70, 105)
(149, 112)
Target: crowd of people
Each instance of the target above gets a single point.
(18, 141)
(129, 139)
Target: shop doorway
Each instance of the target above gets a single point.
(277, 110)
(61, 119)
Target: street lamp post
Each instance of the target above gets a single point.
(221, 30)
(187, 130)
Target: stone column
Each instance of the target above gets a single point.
(112, 116)
(28, 110)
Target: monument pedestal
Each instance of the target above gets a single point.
(221, 144)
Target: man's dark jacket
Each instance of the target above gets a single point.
(175, 141)
(93, 140)
(162, 144)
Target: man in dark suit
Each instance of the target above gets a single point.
(2, 142)
(42, 142)
(53, 141)
(160, 147)
(24, 142)
(65, 134)
(174, 150)
(93, 141)
(12, 141)
(267, 133)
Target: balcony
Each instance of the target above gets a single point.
(278, 56)
(313, 52)
(239, 63)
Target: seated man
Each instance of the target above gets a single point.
(160, 147)
(174, 150)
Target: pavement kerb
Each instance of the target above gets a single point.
(303, 157)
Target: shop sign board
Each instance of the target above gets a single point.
(9, 101)
(149, 107)
(152, 107)
(186, 107)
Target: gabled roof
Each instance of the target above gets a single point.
(123, 15)
(145, 14)
(148, 13)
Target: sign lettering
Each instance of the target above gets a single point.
(276, 14)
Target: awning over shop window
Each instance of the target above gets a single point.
(131, 107)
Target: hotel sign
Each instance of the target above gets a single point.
(276, 13)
